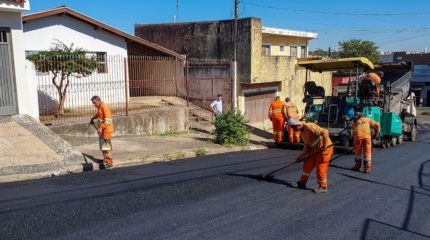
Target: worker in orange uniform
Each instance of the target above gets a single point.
(376, 81)
(291, 111)
(317, 151)
(104, 129)
(363, 140)
(276, 115)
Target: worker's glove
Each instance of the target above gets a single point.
(324, 148)
(298, 159)
(92, 121)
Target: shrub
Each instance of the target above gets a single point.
(200, 152)
(231, 129)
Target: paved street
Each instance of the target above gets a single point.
(218, 197)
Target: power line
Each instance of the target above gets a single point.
(335, 13)
(404, 39)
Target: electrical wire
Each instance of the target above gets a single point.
(335, 13)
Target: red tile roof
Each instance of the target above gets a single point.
(100, 25)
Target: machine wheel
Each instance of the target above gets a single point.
(384, 143)
(388, 142)
(394, 141)
(413, 133)
(400, 139)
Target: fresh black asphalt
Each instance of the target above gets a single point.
(220, 197)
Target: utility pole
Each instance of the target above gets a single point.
(234, 90)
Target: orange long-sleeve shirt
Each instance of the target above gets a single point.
(291, 111)
(361, 128)
(276, 109)
(104, 117)
(314, 137)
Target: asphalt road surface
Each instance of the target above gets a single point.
(218, 197)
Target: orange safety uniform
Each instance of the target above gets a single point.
(291, 111)
(276, 115)
(105, 124)
(315, 138)
(363, 140)
(376, 80)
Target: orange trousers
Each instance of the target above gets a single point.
(106, 148)
(321, 162)
(278, 124)
(363, 146)
(293, 136)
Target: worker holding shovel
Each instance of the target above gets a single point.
(104, 128)
(317, 151)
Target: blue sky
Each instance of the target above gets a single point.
(332, 19)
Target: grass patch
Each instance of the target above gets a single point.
(170, 133)
(201, 152)
(179, 155)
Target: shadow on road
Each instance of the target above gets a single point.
(416, 224)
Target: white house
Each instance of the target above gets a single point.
(18, 94)
(109, 45)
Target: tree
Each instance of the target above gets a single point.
(63, 62)
(359, 48)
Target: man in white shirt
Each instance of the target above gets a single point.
(216, 105)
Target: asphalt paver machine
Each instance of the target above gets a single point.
(392, 103)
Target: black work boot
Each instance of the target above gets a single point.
(357, 165)
(320, 190)
(298, 184)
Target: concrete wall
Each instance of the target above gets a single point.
(211, 40)
(143, 123)
(26, 88)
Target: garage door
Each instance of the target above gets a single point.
(257, 106)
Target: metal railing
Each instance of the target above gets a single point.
(127, 84)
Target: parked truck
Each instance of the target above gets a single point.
(392, 103)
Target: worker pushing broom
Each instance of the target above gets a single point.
(316, 153)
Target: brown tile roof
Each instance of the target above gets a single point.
(100, 25)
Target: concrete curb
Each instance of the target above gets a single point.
(187, 153)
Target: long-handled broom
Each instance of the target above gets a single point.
(272, 173)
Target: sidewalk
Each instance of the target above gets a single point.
(134, 150)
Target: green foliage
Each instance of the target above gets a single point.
(231, 129)
(201, 152)
(323, 53)
(62, 62)
(359, 48)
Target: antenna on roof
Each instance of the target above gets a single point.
(175, 18)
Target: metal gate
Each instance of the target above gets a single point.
(8, 104)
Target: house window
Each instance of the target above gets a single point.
(101, 58)
(293, 51)
(102, 62)
(303, 52)
(266, 50)
(282, 49)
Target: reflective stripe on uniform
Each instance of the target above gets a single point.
(316, 142)
(275, 111)
(305, 174)
(108, 120)
(323, 181)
